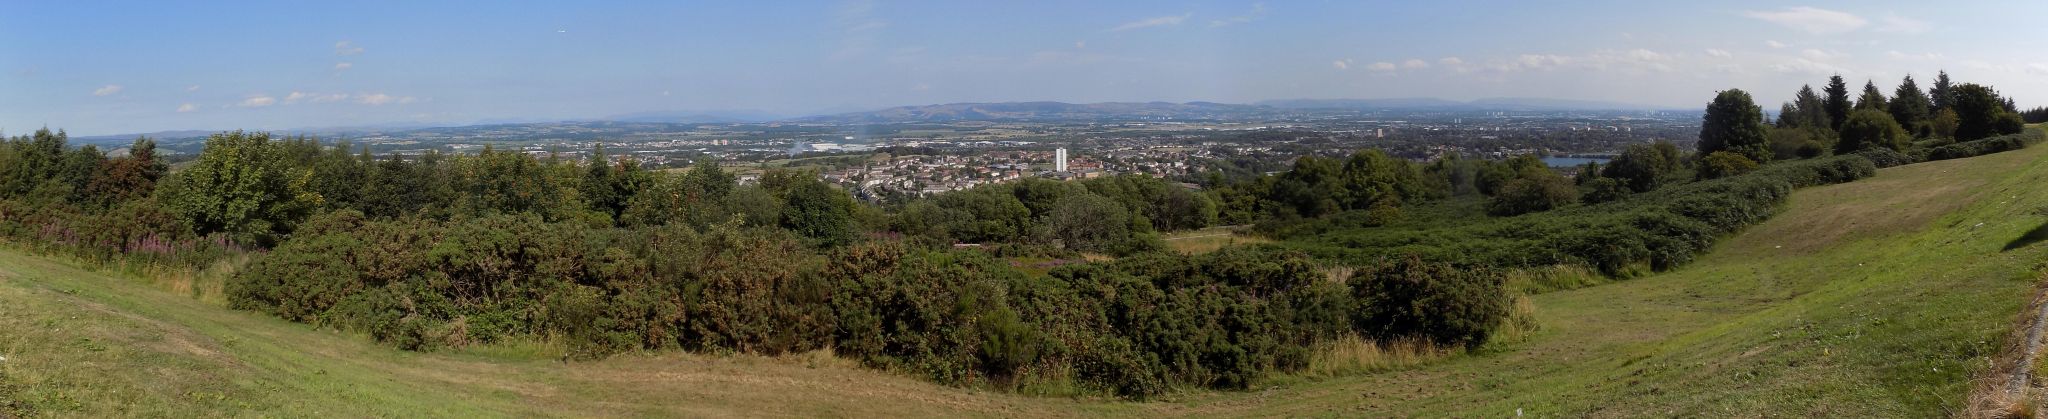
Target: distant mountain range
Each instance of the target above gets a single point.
(1000, 111)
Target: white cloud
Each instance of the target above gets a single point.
(1818, 55)
(194, 88)
(1896, 55)
(107, 90)
(1080, 44)
(1811, 20)
(2038, 68)
(1344, 64)
(1381, 66)
(1541, 61)
(1451, 61)
(1775, 44)
(343, 66)
(1722, 53)
(187, 108)
(258, 101)
(1894, 23)
(294, 97)
(347, 48)
(1806, 66)
(1258, 11)
(1153, 22)
(374, 99)
(1414, 64)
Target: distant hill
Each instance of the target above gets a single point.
(1488, 104)
(697, 117)
(1044, 111)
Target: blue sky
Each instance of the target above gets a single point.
(122, 67)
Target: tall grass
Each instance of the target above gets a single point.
(1353, 354)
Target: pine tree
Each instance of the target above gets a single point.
(1943, 95)
(1909, 105)
(1837, 102)
(1872, 99)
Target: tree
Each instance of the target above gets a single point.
(1797, 142)
(129, 177)
(816, 211)
(241, 185)
(1978, 111)
(1536, 189)
(1910, 106)
(1871, 99)
(1734, 123)
(1943, 95)
(1811, 109)
(1640, 167)
(1088, 222)
(1722, 164)
(1870, 128)
(1943, 124)
(1837, 102)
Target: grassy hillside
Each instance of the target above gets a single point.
(1880, 297)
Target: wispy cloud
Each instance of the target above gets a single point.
(1900, 24)
(1896, 55)
(1722, 53)
(1153, 22)
(257, 101)
(858, 29)
(1258, 11)
(1344, 64)
(346, 48)
(1775, 44)
(343, 66)
(193, 88)
(1415, 64)
(375, 99)
(1811, 20)
(187, 108)
(1381, 66)
(107, 90)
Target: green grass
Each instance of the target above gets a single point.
(1882, 297)
(1210, 239)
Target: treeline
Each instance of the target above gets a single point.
(1117, 215)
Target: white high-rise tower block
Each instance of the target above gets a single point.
(1059, 160)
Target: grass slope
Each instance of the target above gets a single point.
(1875, 298)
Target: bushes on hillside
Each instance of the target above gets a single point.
(1657, 230)
(1991, 145)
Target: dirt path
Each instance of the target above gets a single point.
(2008, 389)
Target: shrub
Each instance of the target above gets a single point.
(1406, 297)
(1722, 164)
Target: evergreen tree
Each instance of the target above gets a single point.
(1837, 102)
(1943, 95)
(1909, 106)
(1872, 99)
(1812, 109)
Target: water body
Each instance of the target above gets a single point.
(1572, 161)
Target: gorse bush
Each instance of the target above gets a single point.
(1133, 327)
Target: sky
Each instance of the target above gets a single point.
(113, 67)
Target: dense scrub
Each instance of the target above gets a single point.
(1655, 230)
(1135, 327)
(1990, 145)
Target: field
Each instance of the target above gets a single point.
(1882, 297)
(1209, 239)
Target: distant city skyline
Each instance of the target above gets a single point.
(127, 67)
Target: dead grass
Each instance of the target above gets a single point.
(1351, 354)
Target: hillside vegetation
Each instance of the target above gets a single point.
(1880, 297)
